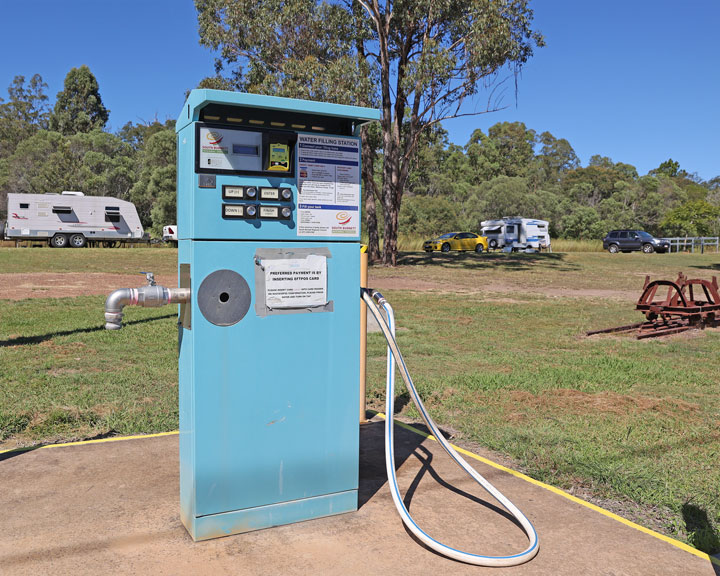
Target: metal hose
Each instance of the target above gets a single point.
(388, 330)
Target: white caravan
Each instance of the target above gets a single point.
(170, 234)
(517, 234)
(71, 219)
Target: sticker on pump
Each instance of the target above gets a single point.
(296, 282)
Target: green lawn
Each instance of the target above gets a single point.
(65, 377)
(628, 420)
(467, 271)
(161, 260)
(633, 424)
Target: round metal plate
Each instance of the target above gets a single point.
(224, 297)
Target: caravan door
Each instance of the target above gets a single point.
(511, 234)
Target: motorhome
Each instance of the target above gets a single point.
(71, 219)
(512, 234)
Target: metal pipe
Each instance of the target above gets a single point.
(146, 296)
(363, 334)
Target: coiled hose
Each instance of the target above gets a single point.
(370, 297)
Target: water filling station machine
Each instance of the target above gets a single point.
(268, 219)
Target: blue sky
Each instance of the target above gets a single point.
(638, 81)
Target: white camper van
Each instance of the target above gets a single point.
(71, 219)
(517, 234)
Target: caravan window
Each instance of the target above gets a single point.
(62, 210)
(24, 206)
(510, 229)
(112, 213)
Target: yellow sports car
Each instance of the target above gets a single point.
(457, 241)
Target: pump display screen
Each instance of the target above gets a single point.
(229, 149)
(245, 150)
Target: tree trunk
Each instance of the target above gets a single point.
(369, 190)
(392, 212)
(391, 201)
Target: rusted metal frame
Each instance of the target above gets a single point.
(651, 288)
(662, 332)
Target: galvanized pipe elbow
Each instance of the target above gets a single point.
(146, 296)
(114, 306)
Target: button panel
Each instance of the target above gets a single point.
(249, 210)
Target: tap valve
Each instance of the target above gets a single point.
(150, 277)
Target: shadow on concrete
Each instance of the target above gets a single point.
(24, 340)
(373, 475)
(18, 452)
(24, 450)
(426, 457)
(472, 261)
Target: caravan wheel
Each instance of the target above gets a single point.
(78, 241)
(492, 244)
(59, 241)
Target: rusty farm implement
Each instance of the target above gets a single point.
(672, 307)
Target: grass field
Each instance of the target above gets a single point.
(495, 344)
(414, 243)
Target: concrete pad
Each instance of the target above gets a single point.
(113, 509)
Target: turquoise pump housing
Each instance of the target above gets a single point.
(269, 229)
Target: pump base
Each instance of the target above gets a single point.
(250, 519)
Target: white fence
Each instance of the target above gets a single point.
(699, 243)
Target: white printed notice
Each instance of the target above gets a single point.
(328, 186)
(296, 282)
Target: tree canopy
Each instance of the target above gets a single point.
(419, 60)
(541, 177)
(43, 152)
(79, 107)
(508, 169)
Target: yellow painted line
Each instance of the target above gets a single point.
(570, 497)
(98, 441)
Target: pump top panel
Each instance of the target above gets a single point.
(267, 168)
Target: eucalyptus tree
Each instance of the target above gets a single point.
(79, 107)
(24, 113)
(421, 61)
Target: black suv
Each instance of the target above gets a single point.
(629, 240)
